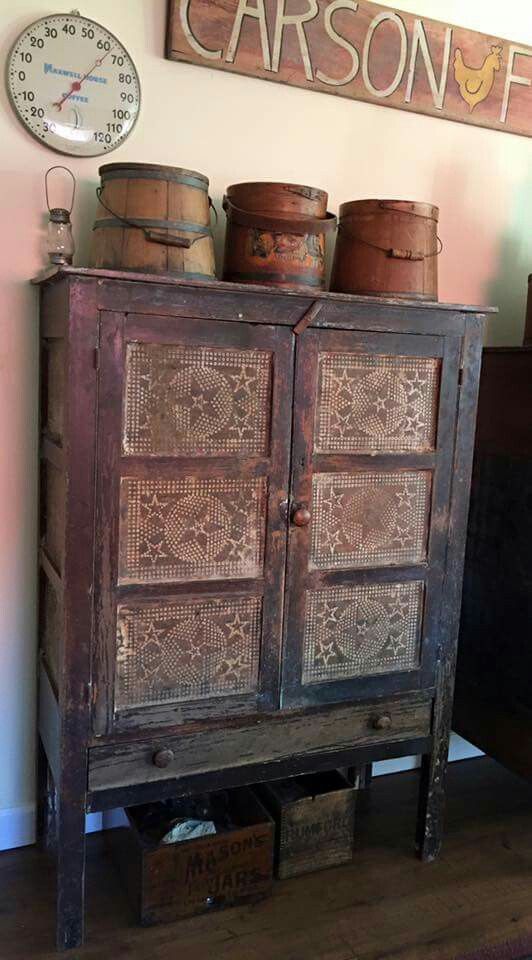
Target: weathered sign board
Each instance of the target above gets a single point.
(357, 49)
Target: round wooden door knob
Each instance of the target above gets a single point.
(301, 517)
(382, 722)
(163, 758)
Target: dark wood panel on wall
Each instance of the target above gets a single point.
(494, 659)
(362, 51)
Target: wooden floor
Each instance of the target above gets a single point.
(386, 904)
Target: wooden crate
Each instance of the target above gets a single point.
(315, 819)
(169, 881)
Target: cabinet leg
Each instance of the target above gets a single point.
(431, 805)
(434, 766)
(70, 873)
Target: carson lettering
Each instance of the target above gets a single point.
(376, 22)
(420, 42)
(342, 42)
(297, 20)
(358, 49)
(257, 13)
(194, 43)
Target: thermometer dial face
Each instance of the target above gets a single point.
(73, 85)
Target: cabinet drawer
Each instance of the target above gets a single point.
(262, 740)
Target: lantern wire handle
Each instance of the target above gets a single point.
(59, 167)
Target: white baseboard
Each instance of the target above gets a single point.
(459, 749)
(17, 825)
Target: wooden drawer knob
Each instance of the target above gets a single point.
(382, 722)
(163, 758)
(301, 517)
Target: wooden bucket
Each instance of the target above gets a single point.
(528, 322)
(387, 248)
(276, 235)
(153, 219)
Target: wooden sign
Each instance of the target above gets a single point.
(357, 49)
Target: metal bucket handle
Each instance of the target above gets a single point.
(296, 225)
(154, 236)
(386, 205)
(395, 253)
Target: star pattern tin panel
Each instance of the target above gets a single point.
(196, 401)
(187, 650)
(362, 630)
(369, 519)
(191, 529)
(376, 404)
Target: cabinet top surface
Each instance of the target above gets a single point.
(54, 274)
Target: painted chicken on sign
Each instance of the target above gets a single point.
(475, 85)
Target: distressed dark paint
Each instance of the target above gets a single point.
(293, 741)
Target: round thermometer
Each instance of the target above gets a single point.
(73, 85)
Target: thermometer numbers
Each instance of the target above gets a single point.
(73, 85)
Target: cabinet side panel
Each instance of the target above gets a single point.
(79, 453)
(53, 373)
(53, 388)
(50, 626)
(53, 504)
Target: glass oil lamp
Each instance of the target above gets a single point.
(60, 242)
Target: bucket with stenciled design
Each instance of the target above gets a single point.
(276, 235)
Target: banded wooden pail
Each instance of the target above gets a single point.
(387, 248)
(276, 235)
(153, 219)
(528, 322)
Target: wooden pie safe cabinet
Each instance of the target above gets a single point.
(253, 514)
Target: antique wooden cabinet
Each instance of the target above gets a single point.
(253, 518)
(493, 706)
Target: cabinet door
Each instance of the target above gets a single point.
(193, 462)
(373, 441)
